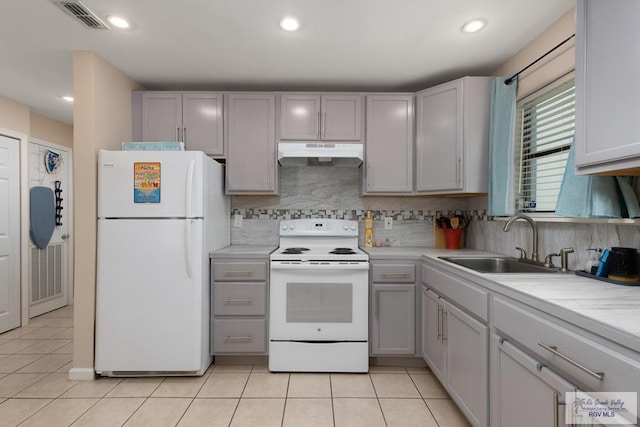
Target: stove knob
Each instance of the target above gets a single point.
(284, 225)
(346, 226)
(292, 226)
(353, 227)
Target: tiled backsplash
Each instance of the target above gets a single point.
(328, 192)
(552, 236)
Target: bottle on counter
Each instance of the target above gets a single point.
(368, 231)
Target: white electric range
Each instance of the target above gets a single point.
(319, 298)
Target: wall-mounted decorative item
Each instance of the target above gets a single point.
(52, 161)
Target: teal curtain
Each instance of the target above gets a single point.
(591, 196)
(501, 132)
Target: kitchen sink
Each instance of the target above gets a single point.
(498, 265)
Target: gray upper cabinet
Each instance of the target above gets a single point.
(312, 117)
(251, 144)
(194, 118)
(389, 147)
(452, 137)
(607, 129)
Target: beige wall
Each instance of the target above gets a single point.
(50, 130)
(14, 116)
(102, 120)
(557, 64)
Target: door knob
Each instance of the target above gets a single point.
(65, 236)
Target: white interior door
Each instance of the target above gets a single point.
(50, 278)
(9, 233)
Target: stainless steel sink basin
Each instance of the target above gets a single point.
(498, 265)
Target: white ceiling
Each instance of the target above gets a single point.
(360, 45)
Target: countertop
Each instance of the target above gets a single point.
(243, 251)
(605, 309)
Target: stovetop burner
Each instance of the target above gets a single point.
(294, 251)
(342, 251)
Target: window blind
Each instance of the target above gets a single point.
(544, 131)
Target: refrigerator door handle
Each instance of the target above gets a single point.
(187, 247)
(192, 165)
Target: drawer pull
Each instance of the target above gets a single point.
(553, 349)
(235, 339)
(238, 301)
(248, 273)
(394, 275)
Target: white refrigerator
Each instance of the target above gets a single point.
(160, 213)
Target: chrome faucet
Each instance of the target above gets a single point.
(534, 227)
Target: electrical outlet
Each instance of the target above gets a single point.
(388, 223)
(237, 220)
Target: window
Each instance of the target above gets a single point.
(545, 124)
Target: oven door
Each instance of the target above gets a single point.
(319, 301)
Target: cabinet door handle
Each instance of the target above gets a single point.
(323, 123)
(553, 349)
(235, 339)
(178, 133)
(394, 275)
(556, 402)
(376, 308)
(439, 323)
(238, 273)
(444, 326)
(271, 180)
(319, 127)
(238, 301)
(184, 135)
(458, 171)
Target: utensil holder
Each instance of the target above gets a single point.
(453, 237)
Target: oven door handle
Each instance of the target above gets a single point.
(320, 266)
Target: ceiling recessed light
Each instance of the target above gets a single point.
(68, 98)
(118, 21)
(474, 26)
(289, 24)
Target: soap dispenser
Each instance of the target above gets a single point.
(591, 266)
(368, 231)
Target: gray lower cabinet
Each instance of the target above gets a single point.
(455, 340)
(523, 390)
(239, 306)
(251, 144)
(393, 303)
(432, 328)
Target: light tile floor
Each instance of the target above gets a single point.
(35, 391)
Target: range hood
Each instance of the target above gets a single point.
(320, 153)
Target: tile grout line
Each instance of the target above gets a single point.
(235, 410)
(286, 398)
(208, 373)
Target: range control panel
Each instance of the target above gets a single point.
(318, 227)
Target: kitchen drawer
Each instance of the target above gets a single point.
(531, 328)
(239, 336)
(240, 271)
(239, 298)
(468, 296)
(393, 273)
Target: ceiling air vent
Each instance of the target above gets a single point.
(77, 10)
